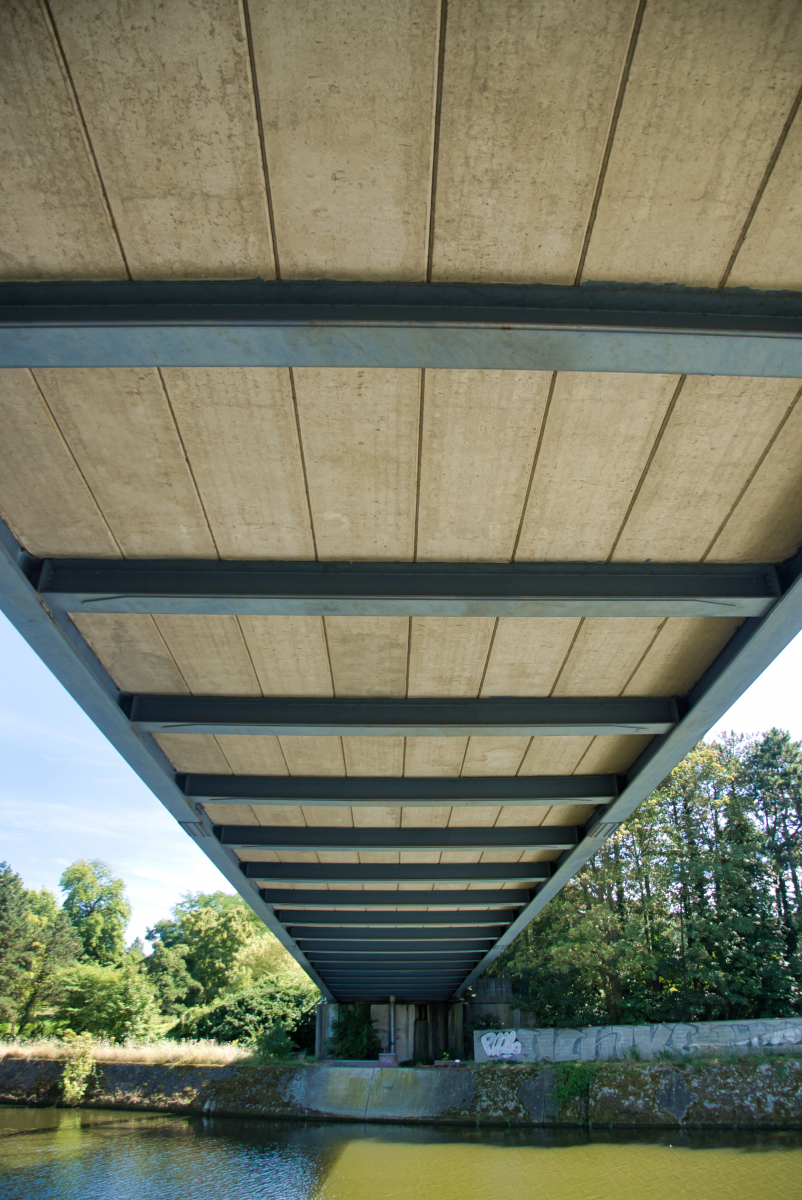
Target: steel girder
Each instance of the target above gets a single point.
(596, 327)
(185, 586)
(321, 838)
(362, 791)
(495, 717)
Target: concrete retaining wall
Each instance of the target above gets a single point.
(745, 1094)
(605, 1042)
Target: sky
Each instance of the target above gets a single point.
(65, 792)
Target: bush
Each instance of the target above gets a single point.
(111, 1002)
(353, 1034)
(256, 1013)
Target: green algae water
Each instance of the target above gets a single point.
(71, 1154)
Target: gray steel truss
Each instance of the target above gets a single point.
(609, 327)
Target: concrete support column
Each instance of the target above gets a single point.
(456, 1046)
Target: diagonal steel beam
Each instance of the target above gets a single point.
(320, 838)
(362, 791)
(598, 327)
(496, 717)
(185, 586)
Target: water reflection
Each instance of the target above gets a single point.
(50, 1154)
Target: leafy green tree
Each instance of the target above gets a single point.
(94, 901)
(353, 1034)
(213, 928)
(690, 911)
(16, 952)
(167, 970)
(54, 947)
(252, 1017)
(112, 1002)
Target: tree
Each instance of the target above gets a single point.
(174, 986)
(54, 946)
(252, 1015)
(112, 1002)
(212, 928)
(16, 953)
(691, 911)
(97, 909)
(353, 1034)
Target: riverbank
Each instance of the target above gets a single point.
(744, 1094)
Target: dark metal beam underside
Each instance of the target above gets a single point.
(396, 873)
(405, 920)
(497, 717)
(283, 898)
(182, 586)
(359, 791)
(322, 838)
(597, 327)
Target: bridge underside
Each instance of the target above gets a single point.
(401, 597)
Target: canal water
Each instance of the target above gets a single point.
(71, 1154)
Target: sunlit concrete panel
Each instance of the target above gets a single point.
(53, 221)
(347, 93)
(710, 88)
(166, 94)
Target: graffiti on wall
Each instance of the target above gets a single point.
(597, 1043)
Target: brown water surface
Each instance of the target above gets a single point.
(64, 1154)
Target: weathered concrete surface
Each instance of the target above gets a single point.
(604, 1042)
(747, 1094)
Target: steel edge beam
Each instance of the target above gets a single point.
(64, 652)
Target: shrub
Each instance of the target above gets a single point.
(255, 1013)
(353, 1034)
(110, 1002)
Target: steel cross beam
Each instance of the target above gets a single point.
(362, 791)
(496, 717)
(321, 838)
(608, 327)
(344, 901)
(401, 920)
(494, 874)
(183, 586)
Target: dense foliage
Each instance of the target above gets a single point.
(353, 1034)
(95, 904)
(255, 1015)
(692, 911)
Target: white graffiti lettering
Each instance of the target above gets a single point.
(501, 1045)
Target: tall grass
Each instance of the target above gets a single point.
(200, 1053)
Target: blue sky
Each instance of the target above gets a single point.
(65, 793)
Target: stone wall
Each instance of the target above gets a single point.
(605, 1042)
(749, 1094)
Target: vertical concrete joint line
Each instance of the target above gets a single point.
(535, 458)
(438, 108)
(178, 434)
(750, 216)
(660, 434)
(608, 146)
(299, 436)
(55, 38)
(419, 463)
(260, 130)
(752, 474)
